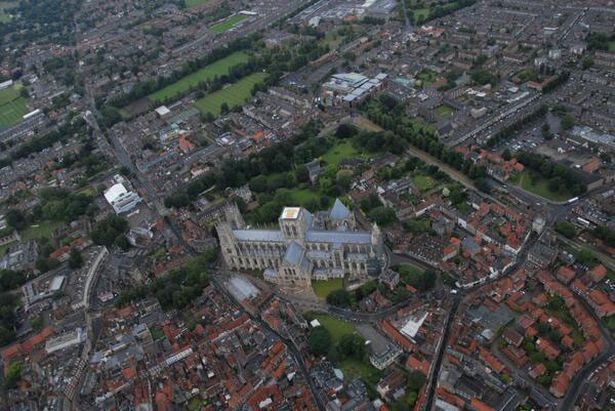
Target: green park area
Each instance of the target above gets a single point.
(539, 186)
(12, 106)
(228, 23)
(337, 328)
(342, 150)
(322, 288)
(195, 3)
(234, 95)
(612, 46)
(216, 69)
(424, 183)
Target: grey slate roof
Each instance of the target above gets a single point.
(259, 235)
(346, 237)
(339, 211)
(293, 253)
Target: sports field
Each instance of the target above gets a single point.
(228, 23)
(12, 106)
(217, 68)
(234, 95)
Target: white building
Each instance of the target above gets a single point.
(121, 199)
(75, 337)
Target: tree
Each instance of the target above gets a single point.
(353, 346)
(76, 259)
(319, 341)
(506, 155)
(566, 229)
(107, 231)
(15, 219)
(339, 298)
(586, 256)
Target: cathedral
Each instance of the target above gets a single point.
(306, 246)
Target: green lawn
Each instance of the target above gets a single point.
(44, 229)
(195, 3)
(409, 269)
(336, 327)
(339, 152)
(540, 188)
(424, 183)
(216, 69)
(324, 287)
(234, 95)
(612, 46)
(228, 23)
(12, 106)
(445, 111)
(301, 197)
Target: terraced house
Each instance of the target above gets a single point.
(306, 247)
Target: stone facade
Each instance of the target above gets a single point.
(306, 246)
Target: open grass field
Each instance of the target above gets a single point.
(612, 46)
(540, 187)
(234, 95)
(424, 183)
(336, 327)
(195, 3)
(12, 106)
(218, 68)
(339, 152)
(324, 287)
(228, 23)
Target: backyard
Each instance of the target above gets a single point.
(234, 95)
(424, 183)
(216, 69)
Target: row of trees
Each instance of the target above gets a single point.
(395, 120)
